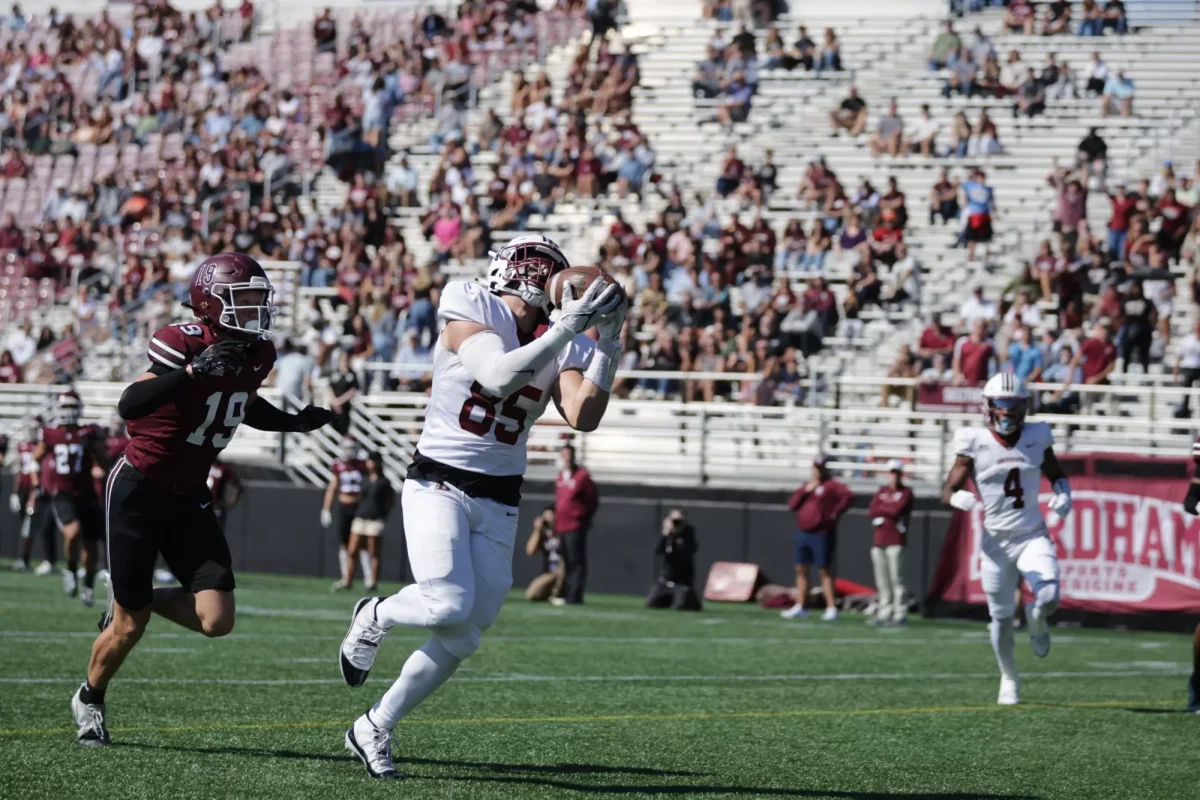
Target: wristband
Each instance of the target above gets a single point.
(1061, 486)
(602, 370)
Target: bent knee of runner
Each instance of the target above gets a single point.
(461, 642)
(127, 626)
(448, 609)
(217, 626)
(1047, 597)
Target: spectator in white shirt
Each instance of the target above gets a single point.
(21, 344)
(1096, 75)
(1187, 366)
(401, 183)
(55, 205)
(975, 307)
(921, 137)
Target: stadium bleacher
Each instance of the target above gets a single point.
(831, 400)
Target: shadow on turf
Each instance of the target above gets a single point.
(539, 770)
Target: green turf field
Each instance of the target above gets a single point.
(608, 700)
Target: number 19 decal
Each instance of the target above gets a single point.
(235, 412)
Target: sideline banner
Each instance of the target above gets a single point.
(937, 397)
(1127, 547)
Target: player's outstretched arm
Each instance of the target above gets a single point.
(263, 416)
(954, 494)
(581, 402)
(502, 373)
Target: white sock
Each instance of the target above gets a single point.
(343, 560)
(425, 670)
(403, 608)
(364, 558)
(1004, 645)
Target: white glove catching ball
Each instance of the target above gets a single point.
(326, 518)
(963, 501)
(600, 299)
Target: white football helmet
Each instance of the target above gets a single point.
(524, 266)
(1005, 403)
(68, 409)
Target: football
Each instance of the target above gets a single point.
(579, 277)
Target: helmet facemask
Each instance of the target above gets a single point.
(246, 307)
(1005, 415)
(68, 411)
(525, 269)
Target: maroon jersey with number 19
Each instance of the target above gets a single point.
(67, 466)
(177, 444)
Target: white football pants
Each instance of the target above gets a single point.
(1006, 561)
(460, 550)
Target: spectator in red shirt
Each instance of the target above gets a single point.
(938, 338)
(1174, 216)
(575, 503)
(1123, 205)
(1096, 359)
(890, 509)
(973, 356)
(818, 506)
(10, 371)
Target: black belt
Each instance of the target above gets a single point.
(504, 489)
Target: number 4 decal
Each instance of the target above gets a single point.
(235, 412)
(1013, 488)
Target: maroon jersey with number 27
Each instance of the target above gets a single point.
(67, 467)
(177, 444)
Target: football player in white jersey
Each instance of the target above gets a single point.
(491, 379)
(1007, 459)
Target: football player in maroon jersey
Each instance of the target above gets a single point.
(115, 441)
(66, 452)
(1190, 506)
(202, 383)
(31, 504)
(345, 483)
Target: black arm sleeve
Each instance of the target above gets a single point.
(1193, 497)
(266, 417)
(145, 397)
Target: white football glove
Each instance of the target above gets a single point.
(963, 501)
(600, 298)
(14, 503)
(326, 518)
(609, 325)
(1060, 504)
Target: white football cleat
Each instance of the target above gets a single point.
(373, 746)
(830, 615)
(19, 566)
(44, 569)
(361, 643)
(87, 596)
(70, 583)
(795, 612)
(1039, 632)
(1010, 692)
(89, 720)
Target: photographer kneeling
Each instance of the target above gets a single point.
(675, 553)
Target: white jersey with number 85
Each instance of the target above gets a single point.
(1008, 478)
(467, 428)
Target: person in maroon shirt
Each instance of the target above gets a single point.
(1123, 205)
(345, 483)
(937, 339)
(116, 440)
(889, 511)
(818, 506)
(66, 452)
(1175, 221)
(33, 506)
(1096, 359)
(575, 503)
(973, 356)
(201, 384)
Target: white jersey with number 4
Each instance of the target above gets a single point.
(471, 430)
(1008, 478)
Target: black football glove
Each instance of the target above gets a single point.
(313, 417)
(219, 360)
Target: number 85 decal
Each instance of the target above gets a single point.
(487, 404)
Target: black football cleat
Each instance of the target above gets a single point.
(373, 746)
(357, 653)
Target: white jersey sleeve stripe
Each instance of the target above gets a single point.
(163, 360)
(156, 342)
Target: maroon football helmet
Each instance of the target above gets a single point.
(231, 291)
